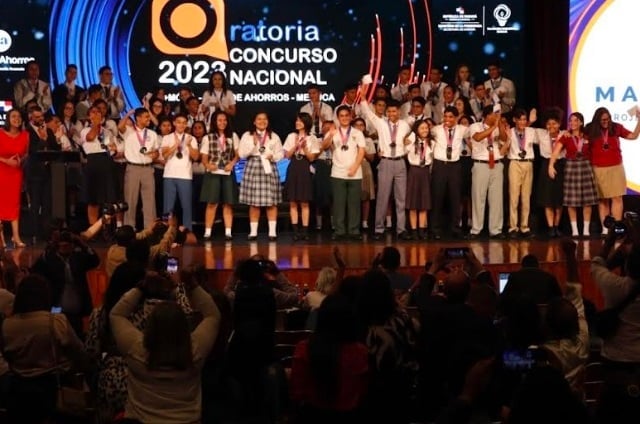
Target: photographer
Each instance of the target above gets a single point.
(620, 352)
(65, 266)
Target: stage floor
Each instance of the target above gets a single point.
(318, 251)
(301, 260)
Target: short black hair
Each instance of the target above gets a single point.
(125, 235)
(390, 258)
(530, 261)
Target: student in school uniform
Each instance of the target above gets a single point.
(179, 149)
(347, 145)
(319, 110)
(392, 171)
(219, 151)
(579, 187)
(420, 156)
(260, 186)
(301, 148)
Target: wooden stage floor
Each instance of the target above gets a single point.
(301, 261)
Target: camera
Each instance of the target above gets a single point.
(114, 208)
(455, 252)
(621, 228)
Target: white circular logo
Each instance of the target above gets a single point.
(5, 41)
(502, 13)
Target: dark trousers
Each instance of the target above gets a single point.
(346, 203)
(39, 191)
(446, 180)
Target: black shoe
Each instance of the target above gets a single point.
(498, 236)
(356, 237)
(405, 236)
(207, 238)
(378, 236)
(228, 238)
(437, 236)
(422, 234)
(273, 238)
(252, 238)
(513, 234)
(296, 236)
(472, 236)
(305, 234)
(337, 237)
(526, 235)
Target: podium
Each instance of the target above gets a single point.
(58, 161)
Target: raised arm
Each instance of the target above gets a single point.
(124, 332)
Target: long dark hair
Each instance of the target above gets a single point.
(376, 302)
(228, 132)
(334, 329)
(124, 278)
(594, 129)
(167, 338)
(224, 82)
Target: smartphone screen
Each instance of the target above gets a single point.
(519, 360)
(456, 252)
(56, 309)
(172, 265)
(503, 277)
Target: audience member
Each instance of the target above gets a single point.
(165, 360)
(329, 375)
(65, 266)
(37, 344)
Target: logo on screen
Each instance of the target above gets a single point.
(502, 13)
(187, 27)
(5, 41)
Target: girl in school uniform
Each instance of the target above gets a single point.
(301, 148)
(419, 155)
(260, 186)
(219, 151)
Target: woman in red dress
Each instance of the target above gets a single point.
(14, 145)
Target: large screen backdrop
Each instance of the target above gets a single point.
(270, 50)
(603, 70)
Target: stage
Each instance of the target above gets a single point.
(301, 260)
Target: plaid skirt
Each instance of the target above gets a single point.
(258, 188)
(579, 184)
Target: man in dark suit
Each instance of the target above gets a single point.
(65, 263)
(532, 283)
(37, 173)
(68, 90)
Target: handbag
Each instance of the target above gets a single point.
(70, 400)
(607, 321)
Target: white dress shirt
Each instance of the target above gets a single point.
(136, 138)
(175, 167)
(525, 139)
(480, 149)
(344, 159)
(440, 135)
(249, 145)
(388, 133)
(506, 88)
(419, 150)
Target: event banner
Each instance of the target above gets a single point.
(269, 50)
(603, 70)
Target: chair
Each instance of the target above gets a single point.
(291, 337)
(593, 383)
